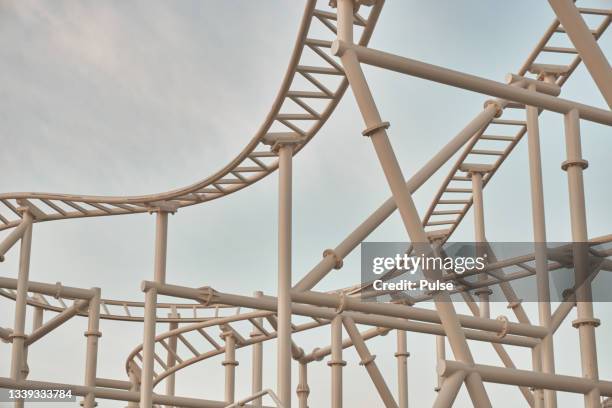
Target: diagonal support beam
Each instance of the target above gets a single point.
(367, 360)
(586, 45)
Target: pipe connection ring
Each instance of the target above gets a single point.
(504, 331)
(372, 129)
(339, 262)
(575, 162)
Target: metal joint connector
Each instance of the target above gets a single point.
(339, 261)
(372, 129)
(367, 361)
(499, 110)
(586, 321)
(504, 331)
(332, 363)
(577, 162)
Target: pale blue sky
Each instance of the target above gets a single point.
(115, 97)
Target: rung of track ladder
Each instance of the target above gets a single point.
(229, 181)
(188, 345)
(461, 178)
(453, 201)
(445, 222)
(446, 212)
(263, 154)
(458, 190)
(318, 70)
(295, 116)
(508, 122)
(334, 17)
(308, 94)
(318, 43)
(496, 137)
(487, 152)
(248, 169)
(599, 12)
(170, 351)
(560, 29)
(561, 50)
(209, 338)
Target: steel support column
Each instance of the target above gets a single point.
(402, 355)
(171, 357)
(18, 353)
(230, 364)
(302, 389)
(586, 323)
(257, 361)
(150, 312)
(91, 358)
(539, 238)
(285, 155)
(480, 238)
(336, 363)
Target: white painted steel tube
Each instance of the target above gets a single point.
(539, 238)
(470, 82)
(284, 276)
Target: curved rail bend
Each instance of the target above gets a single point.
(253, 163)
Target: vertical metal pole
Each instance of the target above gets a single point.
(230, 364)
(539, 238)
(536, 365)
(171, 357)
(336, 363)
(402, 369)
(93, 335)
(18, 361)
(150, 312)
(480, 238)
(440, 355)
(257, 364)
(407, 209)
(585, 322)
(302, 389)
(285, 154)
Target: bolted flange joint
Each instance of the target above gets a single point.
(483, 291)
(332, 363)
(368, 360)
(586, 322)
(576, 162)
(92, 333)
(374, 128)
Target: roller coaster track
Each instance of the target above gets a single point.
(196, 343)
(325, 82)
(454, 197)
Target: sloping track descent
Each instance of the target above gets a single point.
(312, 76)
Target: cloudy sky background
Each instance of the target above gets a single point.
(114, 97)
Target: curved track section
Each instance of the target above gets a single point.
(129, 311)
(313, 77)
(196, 342)
(496, 141)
